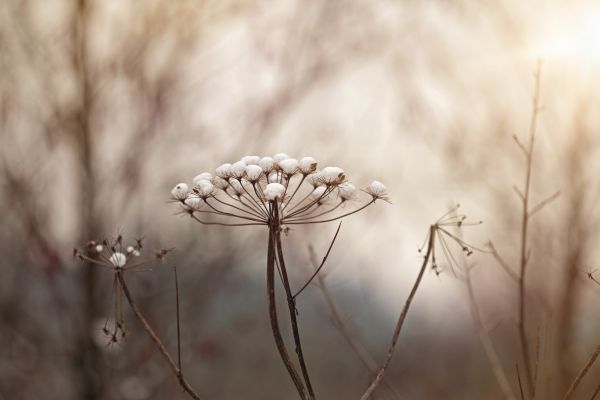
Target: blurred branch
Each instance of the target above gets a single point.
(339, 322)
(403, 314)
(582, 374)
(524, 233)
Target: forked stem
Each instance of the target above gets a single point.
(274, 320)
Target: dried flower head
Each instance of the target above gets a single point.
(115, 256)
(277, 190)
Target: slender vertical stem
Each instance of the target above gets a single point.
(273, 314)
(403, 314)
(524, 232)
(178, 324)
(161, 347)
(292, 309)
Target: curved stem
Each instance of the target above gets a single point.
(331, 219)
(582, 373)
(161, 347)
(403, 314)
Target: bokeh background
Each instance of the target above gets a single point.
(105, 105)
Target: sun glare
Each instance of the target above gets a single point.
(579, 42)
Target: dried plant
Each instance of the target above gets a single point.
(276, 192)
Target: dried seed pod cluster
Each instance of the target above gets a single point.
(265, 190)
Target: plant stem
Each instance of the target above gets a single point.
(273, 315)
(403, 314)
(292, 309)
(161, 347)
(582, 373)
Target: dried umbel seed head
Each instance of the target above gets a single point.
(332, 175)
(118, 259)
(250, 160)
(205, 176)
(253, 173)
(289, 166)
(223, 171)
(267, 164)
(180, 191)
(346, 190)
(274, 191)
(238, 170)
(307, 165)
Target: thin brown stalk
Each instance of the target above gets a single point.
(178, 320)
(274, 320)
(318, 269)
(524, 235)
(582, 373)
(403, 314)
(520, 383)
(292, 310)
(339, 322)
(486, 341)
(161, 347)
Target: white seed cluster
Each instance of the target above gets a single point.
(261, 190)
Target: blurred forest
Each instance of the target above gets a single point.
(105, 105)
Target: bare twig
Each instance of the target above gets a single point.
(524, 234)
(486, 341)
(403, 314)
(544, 203)
(161, 347)
(520, 383)
(178, 320)
(582, 373)
(318, 269)
(339, 322)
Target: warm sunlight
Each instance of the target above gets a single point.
(578, 42)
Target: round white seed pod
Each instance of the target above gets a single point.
(318, 192)
(315, 179)
(99, 248)
(273, 177)
(130, 249)
(280, 157)
(250, 160)
(223, 171)
(307, 165)
(253, 173)
(289, 166)
(332, 175)
(267, 164)
(274, 191)
(118, 259)
(238, 169)
(180, 191)
(346, 190)
(205, 176)
(193, 201)
(205, 189)
(377, 189)
(136, 253)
